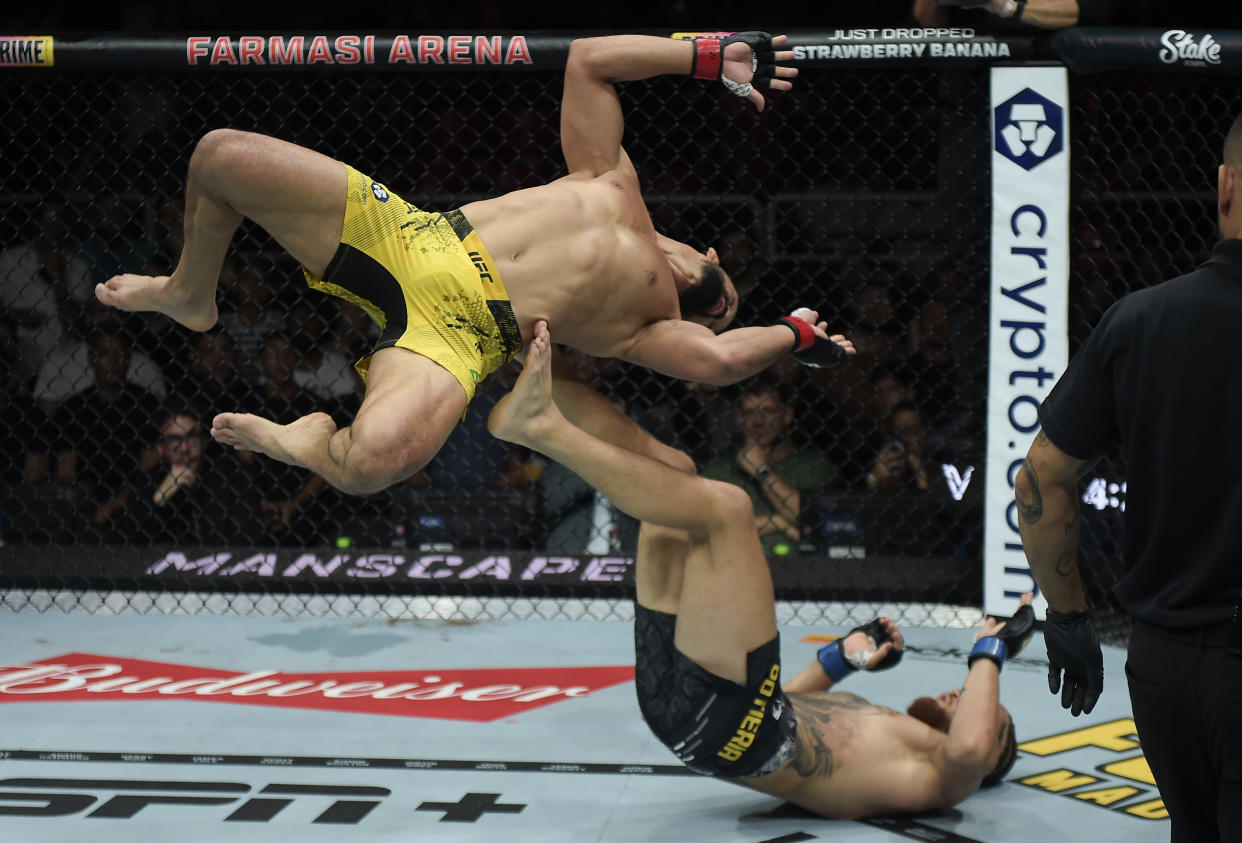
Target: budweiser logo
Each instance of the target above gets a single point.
(480, 695)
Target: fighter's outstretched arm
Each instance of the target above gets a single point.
(591, 118)
(690, 351)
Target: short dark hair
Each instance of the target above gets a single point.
(767, 382)
(1009, 754)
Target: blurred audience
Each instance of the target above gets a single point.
(67, 371)
(288, 494)
(913, 459)
(211, 380)
(105, 432)
(250, 314)
(43, 286)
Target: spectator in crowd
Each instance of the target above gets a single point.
(908, 460)
(211, 379)
(252, 318)
(920, 491)
(169, 230)
(579, 518)
(31, 508)
(20, 437)
(855, 442)
(328, 375)
(198, 492)
(67, 370)
(471, 458)
(769, 466)
(288, 493)
(116, 244)
(932, 361)
(105, 431)
(43, 287)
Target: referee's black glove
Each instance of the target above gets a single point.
(1074, 648)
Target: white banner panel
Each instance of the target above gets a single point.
(1028, 344)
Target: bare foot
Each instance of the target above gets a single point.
(283, 442)
(192, 308)
(528, 409)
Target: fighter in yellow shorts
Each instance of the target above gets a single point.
(580, 253)
(426, 279)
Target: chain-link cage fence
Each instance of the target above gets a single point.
(863, 194)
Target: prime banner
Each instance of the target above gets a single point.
(1028, 345)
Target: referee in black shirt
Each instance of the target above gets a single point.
(1161, 376)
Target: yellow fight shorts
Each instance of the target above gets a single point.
(427, 281)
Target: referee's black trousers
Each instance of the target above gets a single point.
(1186, 692)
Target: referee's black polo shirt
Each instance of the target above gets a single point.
(1161, 376)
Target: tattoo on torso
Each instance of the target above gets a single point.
(814, 756)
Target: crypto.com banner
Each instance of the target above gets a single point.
(1028, 344)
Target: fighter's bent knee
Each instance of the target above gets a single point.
(679, 460)
(215, 148)
(727, 503)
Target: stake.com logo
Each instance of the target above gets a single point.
(480, 695)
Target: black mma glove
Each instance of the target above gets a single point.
(1008, 641)
(809, 348)
(709, 60)
(879, 635)
(837, 665)
(1074, 648)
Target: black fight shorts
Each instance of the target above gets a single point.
(715, 726)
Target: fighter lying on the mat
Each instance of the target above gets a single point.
(707, 648)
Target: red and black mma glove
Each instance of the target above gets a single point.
(1074, 647)
(709, 60)
(1008, 642)
(837, 665)
(809, 348)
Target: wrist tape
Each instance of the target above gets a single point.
(832, 660)
(804, 333)
(989, 647)
(708, 57)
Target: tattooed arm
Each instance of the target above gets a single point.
(1047, 493)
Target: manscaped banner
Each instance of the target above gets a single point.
(1028, 341)
(413, 571)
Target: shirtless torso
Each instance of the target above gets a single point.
(581, 253)
(856, 759)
